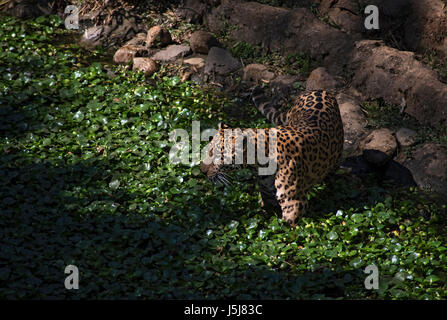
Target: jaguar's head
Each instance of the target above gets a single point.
(215, 163)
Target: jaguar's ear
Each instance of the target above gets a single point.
(221, 126)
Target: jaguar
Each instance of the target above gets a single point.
(308, 139)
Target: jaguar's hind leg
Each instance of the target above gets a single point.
(290, 193)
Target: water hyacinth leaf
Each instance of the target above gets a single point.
(432, 279)
(356, 262)
(332, 235)
(79, 115)
(114, 184)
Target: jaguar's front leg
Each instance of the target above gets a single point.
(292, 201)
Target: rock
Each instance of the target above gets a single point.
(220, 61)
(107, 31)
(325, 6)
(285, 30)
(284, 84)
(138, 40)
(392, 16)
(396, 76)
(127, 53)
(346, 20)
(344, 13)
(26, 9)
(171, 53)
(395, 9)
(92, 37)
(428, 27)
(354, 124)
(379, 146)
(406, 137)
(191, 11)
(88, 18)
(147, 65)
(202, 41)
(158, 36)
(196, 62)
(121, 28)
(123, 32)
(112, 34)
(428, 166)
(320, 79)
(256, 73)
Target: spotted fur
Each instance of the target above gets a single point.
(309, 143)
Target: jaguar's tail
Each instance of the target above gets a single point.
(267, 109)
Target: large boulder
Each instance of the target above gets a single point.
(325, 6)
(428, 165)
(220, 61)
(192, 11)
(427, 26)
(283, 30)
(283, 85)
(397, 77)
(26, 9)
(349, 14)
(348, 20)
(320, 79)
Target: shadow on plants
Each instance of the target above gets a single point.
(55, 215)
